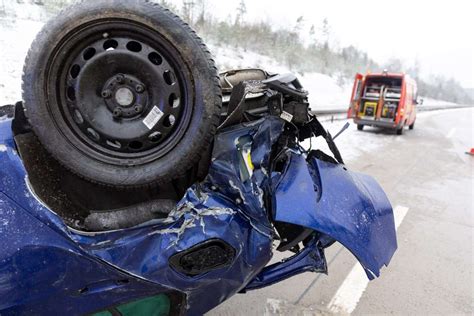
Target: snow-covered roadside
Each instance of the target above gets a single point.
(15, 40)
(352, 143)
(324, 92)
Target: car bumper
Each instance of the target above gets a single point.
(377, 123)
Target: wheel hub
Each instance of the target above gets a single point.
(125, 96)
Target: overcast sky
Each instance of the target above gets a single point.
(438, 33)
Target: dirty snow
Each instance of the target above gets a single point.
(15, 40)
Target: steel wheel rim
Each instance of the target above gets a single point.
(143, 78)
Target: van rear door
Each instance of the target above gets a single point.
(356, 94)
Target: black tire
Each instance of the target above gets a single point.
(162, 69)
(400, 131)
(412, 126)
(360, 127)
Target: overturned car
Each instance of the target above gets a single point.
(136, 180)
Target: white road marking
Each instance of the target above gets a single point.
(451, 132)
(349, 293)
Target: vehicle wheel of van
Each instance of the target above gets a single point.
(123, 93)
(400, 131)
(360, 127)
(412, 126)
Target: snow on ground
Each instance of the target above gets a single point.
(351, 143)
(433, 102)
(24, 10)
(15, 39)
(228, 58)
(324, 92)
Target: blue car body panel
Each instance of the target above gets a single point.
(47, 267)
(347, 206)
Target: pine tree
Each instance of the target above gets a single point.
(241, 11)
(188, 10)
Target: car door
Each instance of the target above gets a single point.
(355, 97)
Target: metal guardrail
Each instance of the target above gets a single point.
(339, 114)
(442, 107)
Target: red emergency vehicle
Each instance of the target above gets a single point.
(385, 99)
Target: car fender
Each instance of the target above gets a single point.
(349, 207)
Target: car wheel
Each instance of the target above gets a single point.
(360, 127)
(123, 93)
(400, 131)
(412, 126)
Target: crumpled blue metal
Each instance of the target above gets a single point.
(347, 206)
(310, 259)
(48, 268)
(139, 255)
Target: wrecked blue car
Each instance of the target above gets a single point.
(136, 181)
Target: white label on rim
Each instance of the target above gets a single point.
(153, 117)
(286, 116)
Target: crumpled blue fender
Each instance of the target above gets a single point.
(347, 206)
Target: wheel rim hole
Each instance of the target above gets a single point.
(114, 144)
(155, 137)
(75, 70)
(169, 121)
(174, 101)
(89, 53)
(78, 117)
(169, 77)
(95, 136)
(135, 145)
(110, 45)
(134, 46)
(71, 93)
(155, 58)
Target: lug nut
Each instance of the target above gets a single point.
(139, 88)
(138, 108)
(117, 113)
(120, 78)
(106, 94)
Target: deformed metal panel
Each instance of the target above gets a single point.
(347, 206)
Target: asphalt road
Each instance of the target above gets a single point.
(430, 182)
